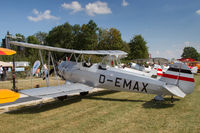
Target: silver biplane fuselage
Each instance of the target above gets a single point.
(112, 78)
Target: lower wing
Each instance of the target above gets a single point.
(7, 96)
(57, 91)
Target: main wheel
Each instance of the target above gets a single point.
(62, 98)
(84, 93)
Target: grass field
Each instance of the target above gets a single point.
(106, 112)
(30, 83)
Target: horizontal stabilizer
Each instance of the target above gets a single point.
(57, 91)
(174, 90)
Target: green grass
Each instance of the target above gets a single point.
(108, 111)
(28, 83)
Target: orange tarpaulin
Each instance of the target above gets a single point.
(4, 51)
(7, 96)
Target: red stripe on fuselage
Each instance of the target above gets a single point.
(178, 77)
(159, 74)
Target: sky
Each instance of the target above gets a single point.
(166, 25)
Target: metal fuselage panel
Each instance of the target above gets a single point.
(110, 78)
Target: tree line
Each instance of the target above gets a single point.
(81, 37)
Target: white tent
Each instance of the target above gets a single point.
(6, 64)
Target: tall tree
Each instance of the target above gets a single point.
(190, 52)
(125, 47)
(41, 37)
(32, 39)
(103, 39)
(76, 32)
(138, 48)
(61, 36)
(110, 39)
(88, 36)
(20, 50)
(20, 37)
(31, 53)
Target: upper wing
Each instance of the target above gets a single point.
(56, 49)
(57, 91)
(174, 90)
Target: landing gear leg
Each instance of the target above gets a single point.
(172, 99)
(40, 105)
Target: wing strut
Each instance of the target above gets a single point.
(50, 59)
(47, 82)
(54, 67)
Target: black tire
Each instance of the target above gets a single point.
(62, 98)
(84, 93)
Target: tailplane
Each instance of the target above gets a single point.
(181, 76)
(174, 90)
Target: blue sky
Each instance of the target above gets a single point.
(167, 25)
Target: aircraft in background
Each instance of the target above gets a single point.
(140, 68)
(81, 77)
(155, 71)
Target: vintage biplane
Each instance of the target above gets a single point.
(81, 77)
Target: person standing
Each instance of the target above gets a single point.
(4, 74)
(45, 71)
(1, 72)
(38, 72)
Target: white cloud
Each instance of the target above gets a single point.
(198, 12)
(97, 7)
(74, 6)
(124, 3)
(91, 9)
(35, 11)
(46, 15)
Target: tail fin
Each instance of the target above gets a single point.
(181, 76)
